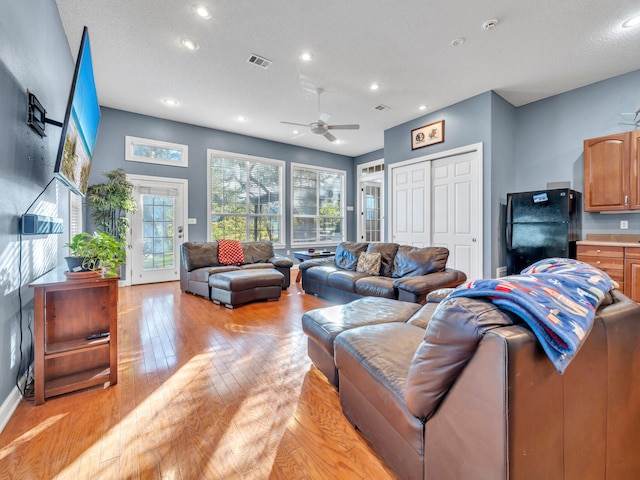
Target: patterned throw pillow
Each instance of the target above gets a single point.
(369, 263)
(230, 252)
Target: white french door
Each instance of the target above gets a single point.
(157, 228)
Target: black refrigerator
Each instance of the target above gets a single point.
(541, 224)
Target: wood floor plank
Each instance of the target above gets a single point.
(204, 392)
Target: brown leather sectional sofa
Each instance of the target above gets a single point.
(406, 273)
(199, 262)
(478, 398)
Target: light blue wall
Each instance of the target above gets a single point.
(34, 55)
(501, 169)
(465, 123)
(550, 134)
(369, 157)
(116, 124)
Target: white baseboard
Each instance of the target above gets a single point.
(11, 403)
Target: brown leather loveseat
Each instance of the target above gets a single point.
(199, 263)
(403, 272)
(475, 397)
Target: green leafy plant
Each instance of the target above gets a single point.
(98, 252)
(110, 202)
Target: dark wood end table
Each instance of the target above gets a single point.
(304, 255)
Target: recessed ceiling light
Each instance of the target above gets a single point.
(306, 57)
(189, 44)
(456, 42)
(374, 86)
(240, 118)
(422, 107)
(295, 132)
(203, 12)
(172, 102)
(632, 22)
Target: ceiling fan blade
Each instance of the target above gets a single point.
(330, 137)
(324, 117)
(296, 124)
(351, 126)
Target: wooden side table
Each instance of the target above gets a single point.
(305, 255)
(67, 311)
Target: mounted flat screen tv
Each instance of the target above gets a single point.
(80, 126)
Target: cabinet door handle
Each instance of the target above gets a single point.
(626, 199)
(598, 251)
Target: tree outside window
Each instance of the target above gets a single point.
(245, 195)
(318, 211)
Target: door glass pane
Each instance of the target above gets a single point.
(372, 213)
(158, 214)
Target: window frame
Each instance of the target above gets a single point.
(343, 206)
(130, 156)
(281, 164)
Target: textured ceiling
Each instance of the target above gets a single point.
(538, 49)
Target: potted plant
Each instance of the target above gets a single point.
(98, 253)
(110, 202)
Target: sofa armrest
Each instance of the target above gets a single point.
(414, 289)
(317, 262)
(281, 261)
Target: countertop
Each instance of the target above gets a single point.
(613, 239)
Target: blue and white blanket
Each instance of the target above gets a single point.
(556, 297)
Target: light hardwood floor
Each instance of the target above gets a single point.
(204, 393)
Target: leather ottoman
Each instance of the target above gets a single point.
(323, 325)
(243, 286)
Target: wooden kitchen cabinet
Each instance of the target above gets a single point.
(632, 273)
(619, 260)
(66, 312)
(608, 258)
(609, 174)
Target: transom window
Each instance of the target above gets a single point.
(245, 195)
(318, 209)
(155, 151)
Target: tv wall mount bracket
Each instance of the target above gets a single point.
(37, 116)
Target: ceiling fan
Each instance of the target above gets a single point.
(320, 126)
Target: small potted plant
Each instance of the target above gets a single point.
(99, 253)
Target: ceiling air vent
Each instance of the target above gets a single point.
(381, 108)
(259, 61)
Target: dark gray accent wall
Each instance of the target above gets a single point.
(550, 135)
(34, 55)
(110, 152)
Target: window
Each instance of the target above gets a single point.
(245, 195)
(156, 151)
(318, 210)
(75, 214)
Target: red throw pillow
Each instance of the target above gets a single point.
(230, 252)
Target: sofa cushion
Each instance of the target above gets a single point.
(450, 340)
(198, 255)
(369, 263)
(324, 324)
(415, 261)
(257, 252)
(376, 287)
(230, 252)
(345, 280)
(347, 254)
(375, 359)
(388, 254)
